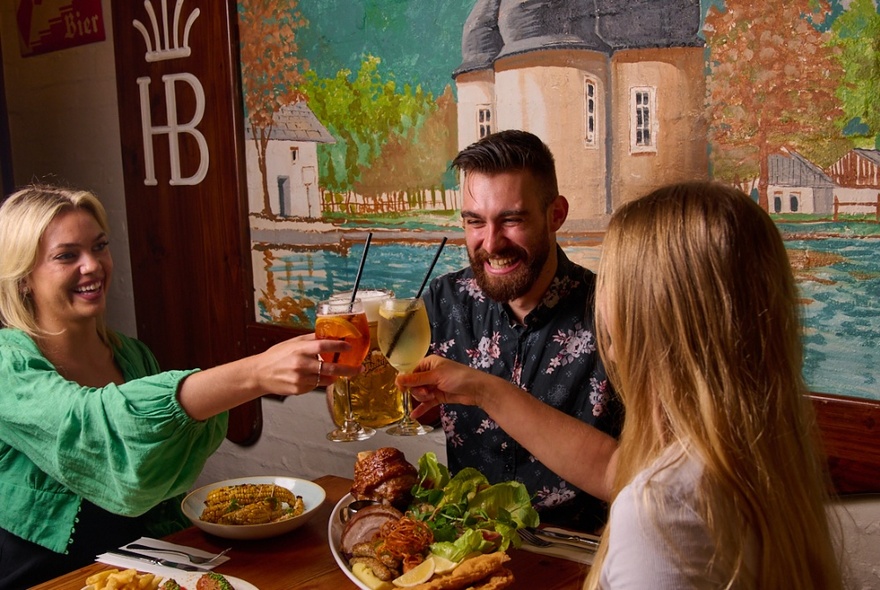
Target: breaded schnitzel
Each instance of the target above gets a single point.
(484, 572)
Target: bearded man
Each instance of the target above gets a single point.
(522, 311)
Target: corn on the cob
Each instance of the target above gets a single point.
(214, 512)
(292, 510)
(256, 513)
(248, 494)
(226, 505)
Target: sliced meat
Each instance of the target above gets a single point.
(365, 524)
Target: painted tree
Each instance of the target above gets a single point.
(270, 69)
(856, 33)
(362, 111)
(770, 85)
(417, 163)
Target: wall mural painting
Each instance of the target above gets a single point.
(355, 108)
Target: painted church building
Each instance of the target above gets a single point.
(615, 88)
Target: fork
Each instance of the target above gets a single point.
(193, 558)
(530, 537)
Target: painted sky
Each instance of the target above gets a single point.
(419, 41)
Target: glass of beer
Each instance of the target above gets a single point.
(404, 338)
(375, 400)
(345, 320)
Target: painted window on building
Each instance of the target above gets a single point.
(590, 112)
(294, 155)
(643, 122)
(484, 121)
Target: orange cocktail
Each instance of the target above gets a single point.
(350, 327)
(345, 320)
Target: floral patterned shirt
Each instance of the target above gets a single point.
(552, 355)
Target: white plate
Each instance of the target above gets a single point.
(312, 494)
(334, 537)
(190, 579)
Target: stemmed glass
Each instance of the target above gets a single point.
(345, 320)
(404, 338)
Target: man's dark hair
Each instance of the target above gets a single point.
(510, 150)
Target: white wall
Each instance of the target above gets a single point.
(64, 127)
(860, 521)
(294, 444)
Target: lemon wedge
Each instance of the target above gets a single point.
(442, 565)
(417, 575)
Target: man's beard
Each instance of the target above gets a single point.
(513, 285)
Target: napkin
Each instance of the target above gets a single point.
(150, 542)
(125, 563)
(166, 572)
(562, 549)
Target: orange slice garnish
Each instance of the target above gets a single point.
(336, 328)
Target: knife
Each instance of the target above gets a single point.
(590, 541)
(156, 561)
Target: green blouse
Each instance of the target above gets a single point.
(126, 448)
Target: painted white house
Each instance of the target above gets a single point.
(796, 185)
(291, 164)
(614, 87)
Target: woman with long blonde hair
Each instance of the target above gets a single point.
(719, 478)
(718, 481)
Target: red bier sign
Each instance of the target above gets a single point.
(50, 25)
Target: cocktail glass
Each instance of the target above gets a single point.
(345, 320)
(375, 399)
(404, 338)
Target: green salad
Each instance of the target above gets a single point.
(466, 513)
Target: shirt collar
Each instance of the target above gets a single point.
(566, 271)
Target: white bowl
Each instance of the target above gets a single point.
(334, 537)
(312, 494)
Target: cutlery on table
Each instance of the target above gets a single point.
(198, 559)
(535, 537)
(155, 561)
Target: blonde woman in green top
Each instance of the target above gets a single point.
(96, 443)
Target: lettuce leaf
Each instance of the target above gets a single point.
(468, 514)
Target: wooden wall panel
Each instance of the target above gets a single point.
(188, 233)
(851, 434)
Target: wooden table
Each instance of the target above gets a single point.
(302, 558)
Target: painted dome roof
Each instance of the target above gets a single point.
(500, 28)
(481, 40)
(628, 24)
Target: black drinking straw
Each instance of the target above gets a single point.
(431, 268)
(357, 280)
(410, 314)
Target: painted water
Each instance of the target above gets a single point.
(841, 300)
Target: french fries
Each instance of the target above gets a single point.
(128, 579)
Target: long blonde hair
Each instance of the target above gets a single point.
(700, 300)
(24, 216)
